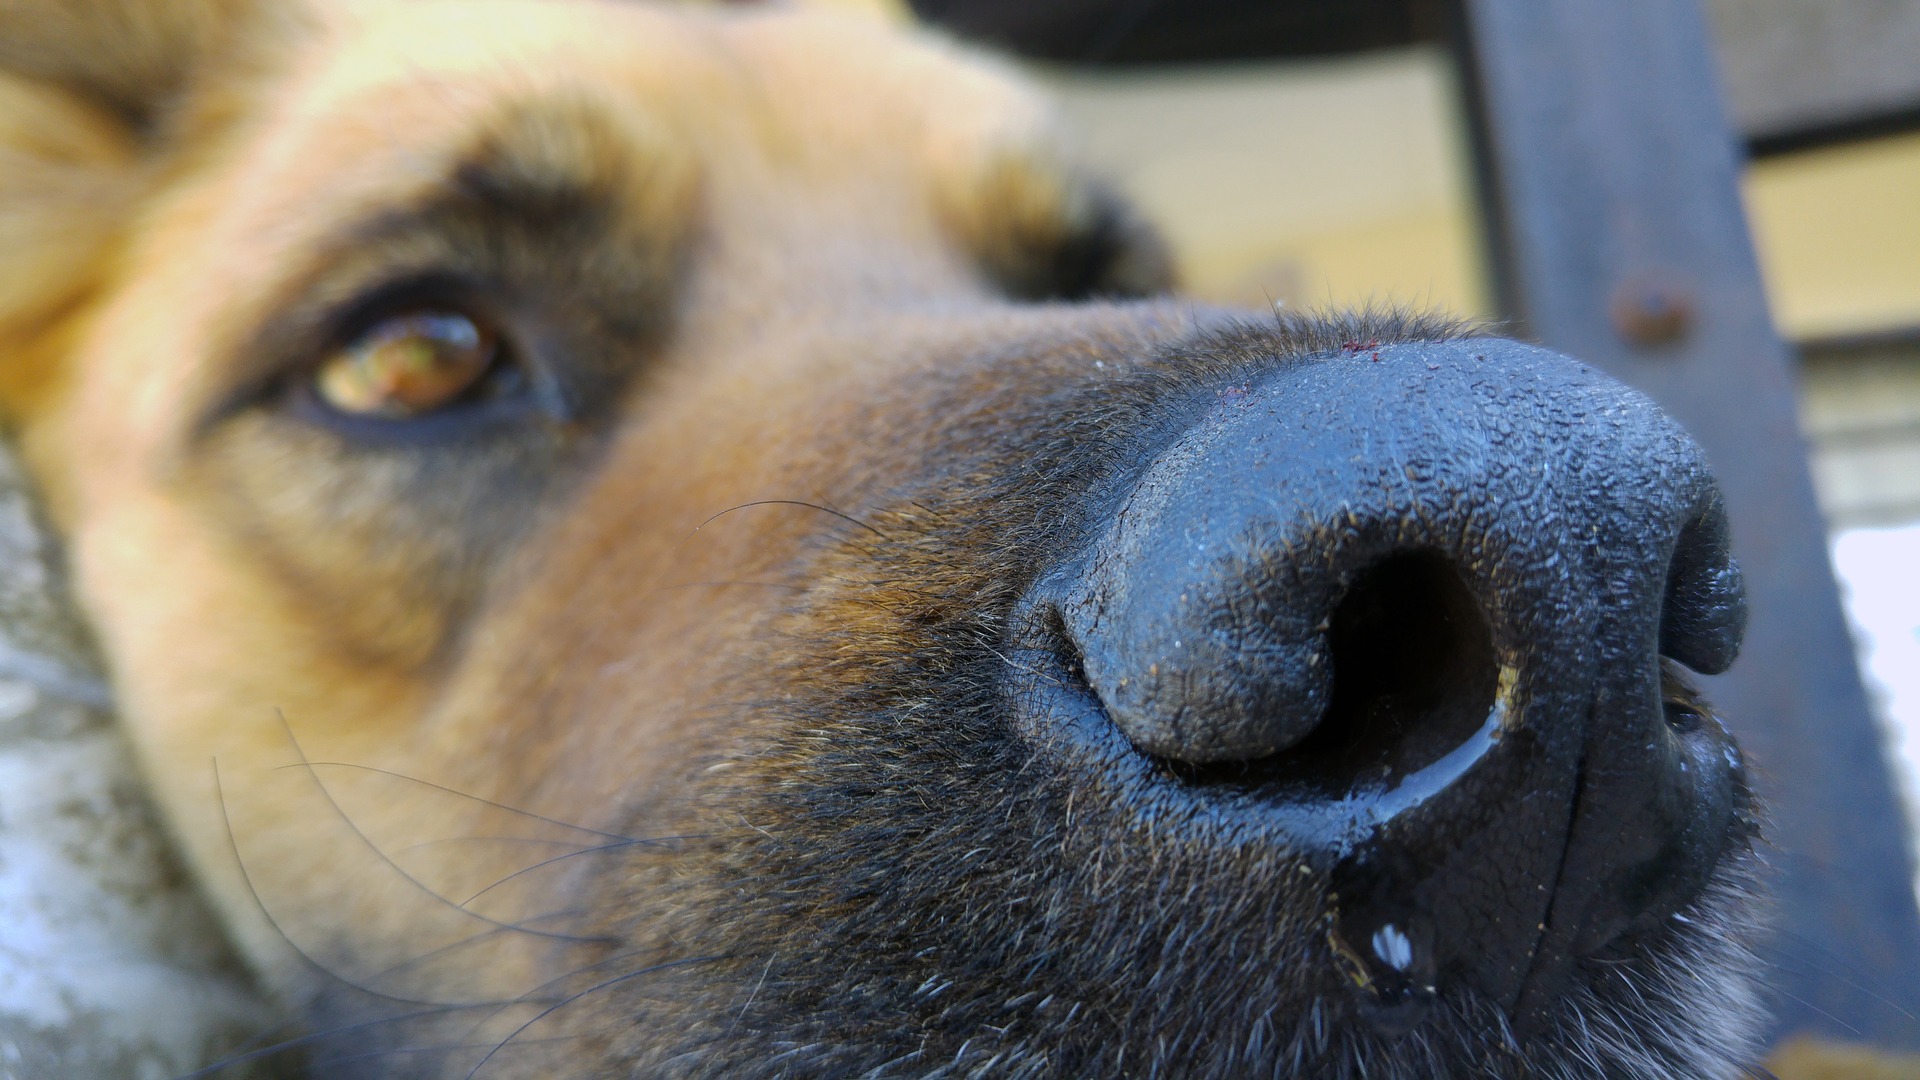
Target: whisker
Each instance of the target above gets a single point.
(449, 1008)
(547, 841)
(841, 514)
(595, 850)
(440, 1048)
(310, 1038)
(1833, 968)
(594, 989)
(754, 993)
(425, 890)
(1798, 1000)
(253, 892)
(427, 1008)
(535, 994)
(476, 938)
(484, 801)
(730, 584)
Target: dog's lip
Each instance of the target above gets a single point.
(1328, 837)
(1060, 715)
(1564, 944)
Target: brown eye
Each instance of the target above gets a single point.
(408, 365)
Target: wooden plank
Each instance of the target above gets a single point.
(1860, 403)
(1619, 237)
(1797, 72)
(1800, 73)
(1152, 31)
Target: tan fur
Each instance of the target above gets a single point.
(801, 148)
(800, 419)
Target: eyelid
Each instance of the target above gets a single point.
(313, 315)
(291, 349)
(351, 321)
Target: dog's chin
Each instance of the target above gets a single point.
(870, 927)
(1684, 1001)
(1680, 1002)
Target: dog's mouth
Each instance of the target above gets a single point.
(1346, 805)
(1076, 907)
(1003, 844)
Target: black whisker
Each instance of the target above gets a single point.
(479, 937)
(570, 999)
(731, 584)
(662, 841)
(253, 892)
(425, 890)
(547, 841)
(311, 1038)
(439, 1048)
(484, 801)
(842, 515)
(1833, 968)
(535, 995)
(427, 1008)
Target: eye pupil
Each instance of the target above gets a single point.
(406, 365)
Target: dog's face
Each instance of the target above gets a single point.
(645, 541)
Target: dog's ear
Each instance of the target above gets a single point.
(84, 87)
(131, 57)
(65, 176)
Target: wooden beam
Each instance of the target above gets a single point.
(1800, 73)
(1610, 176)
(1797, 72)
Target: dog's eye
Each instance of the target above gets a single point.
(410, 364)
(1096, 245)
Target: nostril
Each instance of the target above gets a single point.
(1414, 672)
(1399, 620)
(1414, 678)
(1704, 610)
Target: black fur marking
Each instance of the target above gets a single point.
(910, 891)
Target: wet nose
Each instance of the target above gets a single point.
(1421, 613)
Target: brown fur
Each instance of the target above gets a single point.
(585, 740)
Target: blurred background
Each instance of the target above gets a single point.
(1317, 153)
(1343, 181)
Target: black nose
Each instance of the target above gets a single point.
(1418, 613)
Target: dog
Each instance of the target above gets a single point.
(684, 541)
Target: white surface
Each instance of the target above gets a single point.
(99, 940)
(110, 966)
(1880, 583)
